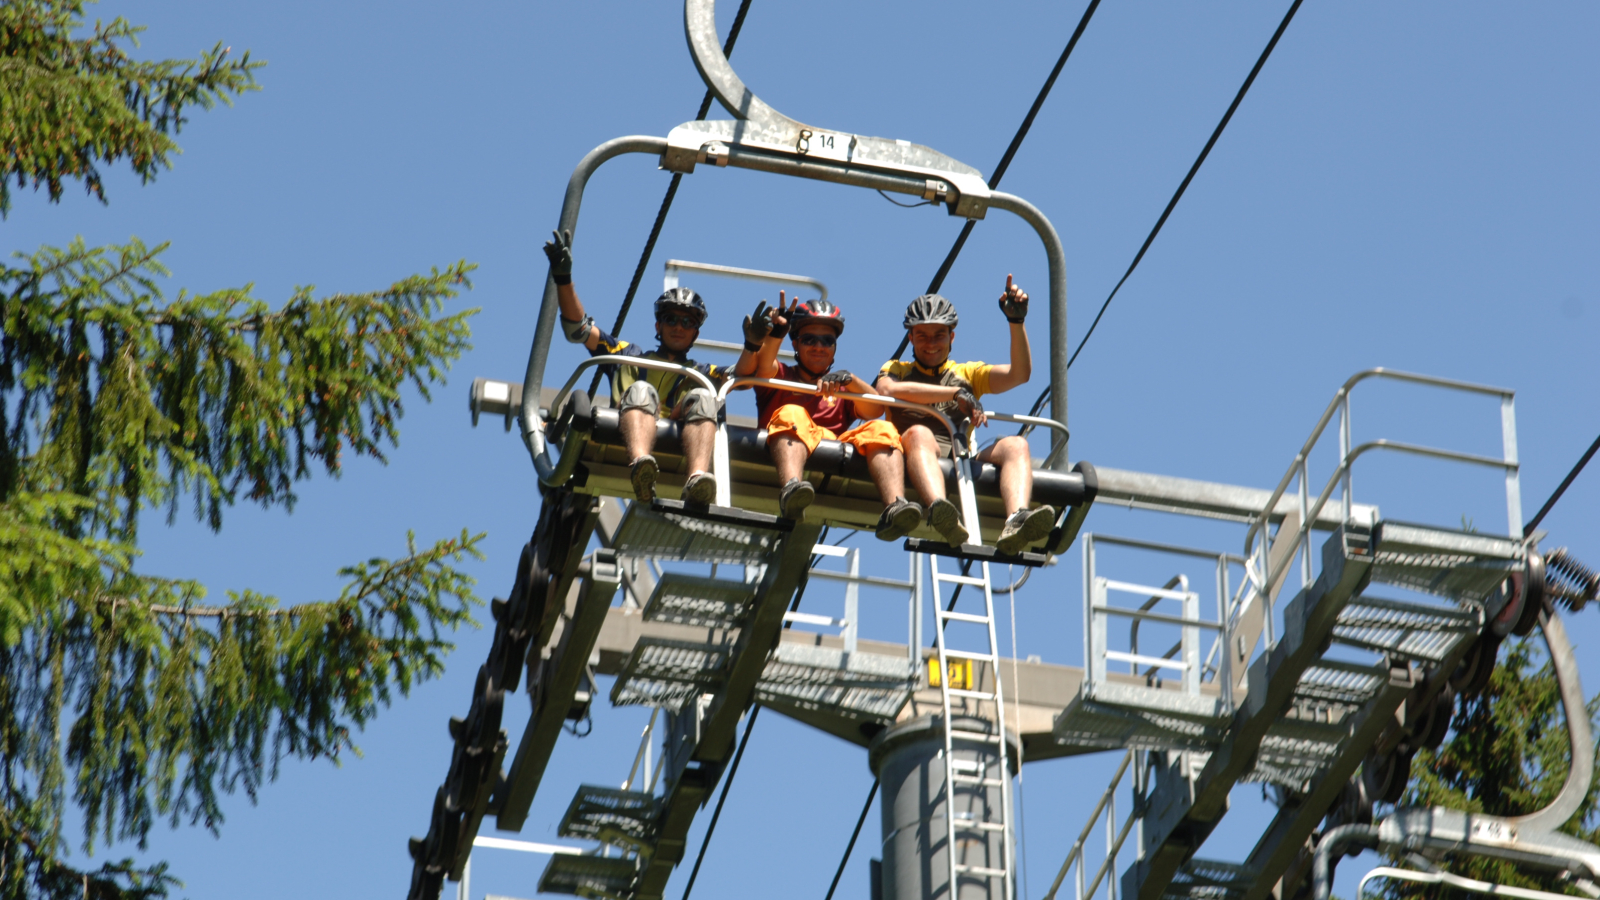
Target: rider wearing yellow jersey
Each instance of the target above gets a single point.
(651, 393)
(953, 388)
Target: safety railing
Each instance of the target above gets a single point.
(1058, 446)
(1298, 470)
(1087, 886)
(1098, 611)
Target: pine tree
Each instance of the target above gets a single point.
(1508, 755)
(129, 696)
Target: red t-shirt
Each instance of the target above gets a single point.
(835, 415)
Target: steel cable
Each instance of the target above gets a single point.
(1005, 160)
(749, 724)
(1178, 195)
(1565, 483)
(853, 835)
(666, 202)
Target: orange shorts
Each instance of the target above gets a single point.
(873, 434)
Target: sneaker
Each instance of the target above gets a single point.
(795, 497)
(1025, 527)
(946, 519)
(642, 472)
(899, 519)
(701, 488)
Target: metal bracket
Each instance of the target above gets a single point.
(757, 126)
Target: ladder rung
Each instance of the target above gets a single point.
(963, 617)
(960, 579)
(980, 826)
(974, 735)
(966, 765)
(981, 870)
(972, 695)
(969, 779)
(970, 654)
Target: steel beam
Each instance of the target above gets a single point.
(757, 637)
(1211, 499)
(1308, 624)
(554, 681)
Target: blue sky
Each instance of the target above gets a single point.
(1407, 185)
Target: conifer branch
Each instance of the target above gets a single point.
(73, 102)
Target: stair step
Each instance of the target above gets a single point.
(666, 529)
(668, 673)
(699, 601)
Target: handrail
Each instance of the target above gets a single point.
(1076, 853)
(544, 330)
(1457, 882)
(549, 470)
(1339, 402)
(1057, 447)
(1327, 492)
(638, 362)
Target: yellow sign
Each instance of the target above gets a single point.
(960, 673)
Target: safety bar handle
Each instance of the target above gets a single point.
(801, 387)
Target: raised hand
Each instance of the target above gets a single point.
(1014, 302)
(782, 315)
(559, 252)
(757, 326)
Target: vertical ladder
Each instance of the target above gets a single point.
(962, 772)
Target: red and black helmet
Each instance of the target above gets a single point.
(816, 311)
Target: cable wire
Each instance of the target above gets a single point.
(717, 813)
(666, 202)
(1005, 160)
(1565, 483)
(853, 835)
(1184, 186)
(750, 723)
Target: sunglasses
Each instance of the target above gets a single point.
(681, 321)
(815, 340)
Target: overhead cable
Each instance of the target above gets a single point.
(853, 835)
(750, 723)
(1005, 161)
(1184, 186)
(717, 813)
(666, 202)
(1565, 483)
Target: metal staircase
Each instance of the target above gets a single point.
(1353, 671)
(958, 665)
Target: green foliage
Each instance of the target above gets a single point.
(69, 101)
(122, 694)
(113, 393)
(1508, 755)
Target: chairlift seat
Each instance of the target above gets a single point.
(846, 495)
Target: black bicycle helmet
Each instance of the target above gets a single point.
(682, 299)
(931, 309)
(814, 311)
